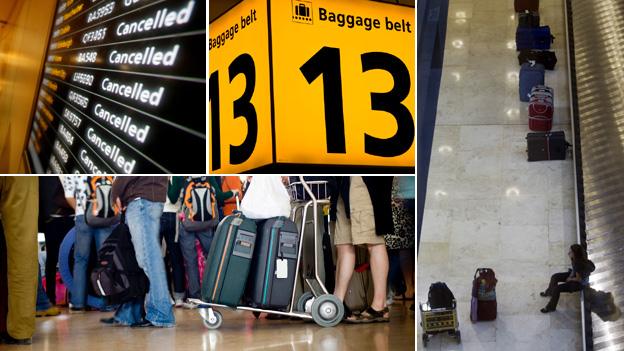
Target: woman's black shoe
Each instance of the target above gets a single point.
(547, 310)
(544, 294)
(142, 324)
(347, 311)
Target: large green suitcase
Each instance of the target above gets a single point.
(228, 261)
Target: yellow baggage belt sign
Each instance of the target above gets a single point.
(320, 82)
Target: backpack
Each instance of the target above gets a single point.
(100, 195)
(199, 206)
(117, 275)
(484, 284)
(440, 296)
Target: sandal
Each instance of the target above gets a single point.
(371, 316)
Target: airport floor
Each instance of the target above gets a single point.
(486, 205)
(240, 331)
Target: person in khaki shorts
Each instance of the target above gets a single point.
(356, 224)
(19, 209)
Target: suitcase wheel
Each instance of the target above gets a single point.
(303, 301)
(256, 314)
(458, 336)
(327, 310)
(212, 318)
(425, 340)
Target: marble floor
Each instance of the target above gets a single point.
(240, 331)
(486, 205)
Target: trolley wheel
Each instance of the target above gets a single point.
(212, 322)
(303, 300)
(458, 336)
(256, 314)
(327, 310)
(425, 339)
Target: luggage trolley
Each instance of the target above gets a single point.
(319, 305)
(439, 320)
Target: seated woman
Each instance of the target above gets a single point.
(575, 279)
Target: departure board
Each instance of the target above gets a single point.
(123, 89)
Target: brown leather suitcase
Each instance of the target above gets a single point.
(526, 5)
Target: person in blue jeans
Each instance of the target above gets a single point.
(77, 194)
(143, 199)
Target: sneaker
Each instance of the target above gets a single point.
(50, 312)
(142, 324)
(110, 320)
(74, 310)
(5, 338)
(189, 305)
(179, 303)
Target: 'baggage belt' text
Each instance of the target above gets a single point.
(229, 34)
(368, 23)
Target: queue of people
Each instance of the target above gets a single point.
(373, 212)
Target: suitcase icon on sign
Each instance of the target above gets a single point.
(302, 11)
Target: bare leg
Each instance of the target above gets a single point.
(406, 256)
(379, 269)
(344, 269)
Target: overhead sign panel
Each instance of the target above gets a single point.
(342, 84)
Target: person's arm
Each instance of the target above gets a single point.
(219, 194)
(119, 188)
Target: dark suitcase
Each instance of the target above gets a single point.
(537, 38)
(484, 294)
(546, 58)
(546, 146)
(526, 5)
(229, 260)
(275, 260)
(530, 76)
(486, 310)
(528, 19)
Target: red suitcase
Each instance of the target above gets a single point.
(540, 115)
(526, 5)
(486, 310)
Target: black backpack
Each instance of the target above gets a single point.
(528, 19)
(117, 275)
(440, 296)
(546, 58)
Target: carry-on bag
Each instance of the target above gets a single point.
(100, 211)
(117, 275)
(526, 5)
(360, 291)
(272, 274)
(528, 19)
(229, 259)
(440, 296)
(530, 76)
(540, 115)
(547, 146)
(542, 92)
(536, 38)
(546, 58)
(484, 292)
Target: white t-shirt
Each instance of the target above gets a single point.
(78, 188)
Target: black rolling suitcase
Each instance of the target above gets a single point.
(272, 275)
(547, 146)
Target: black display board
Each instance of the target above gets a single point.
(123, 89)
